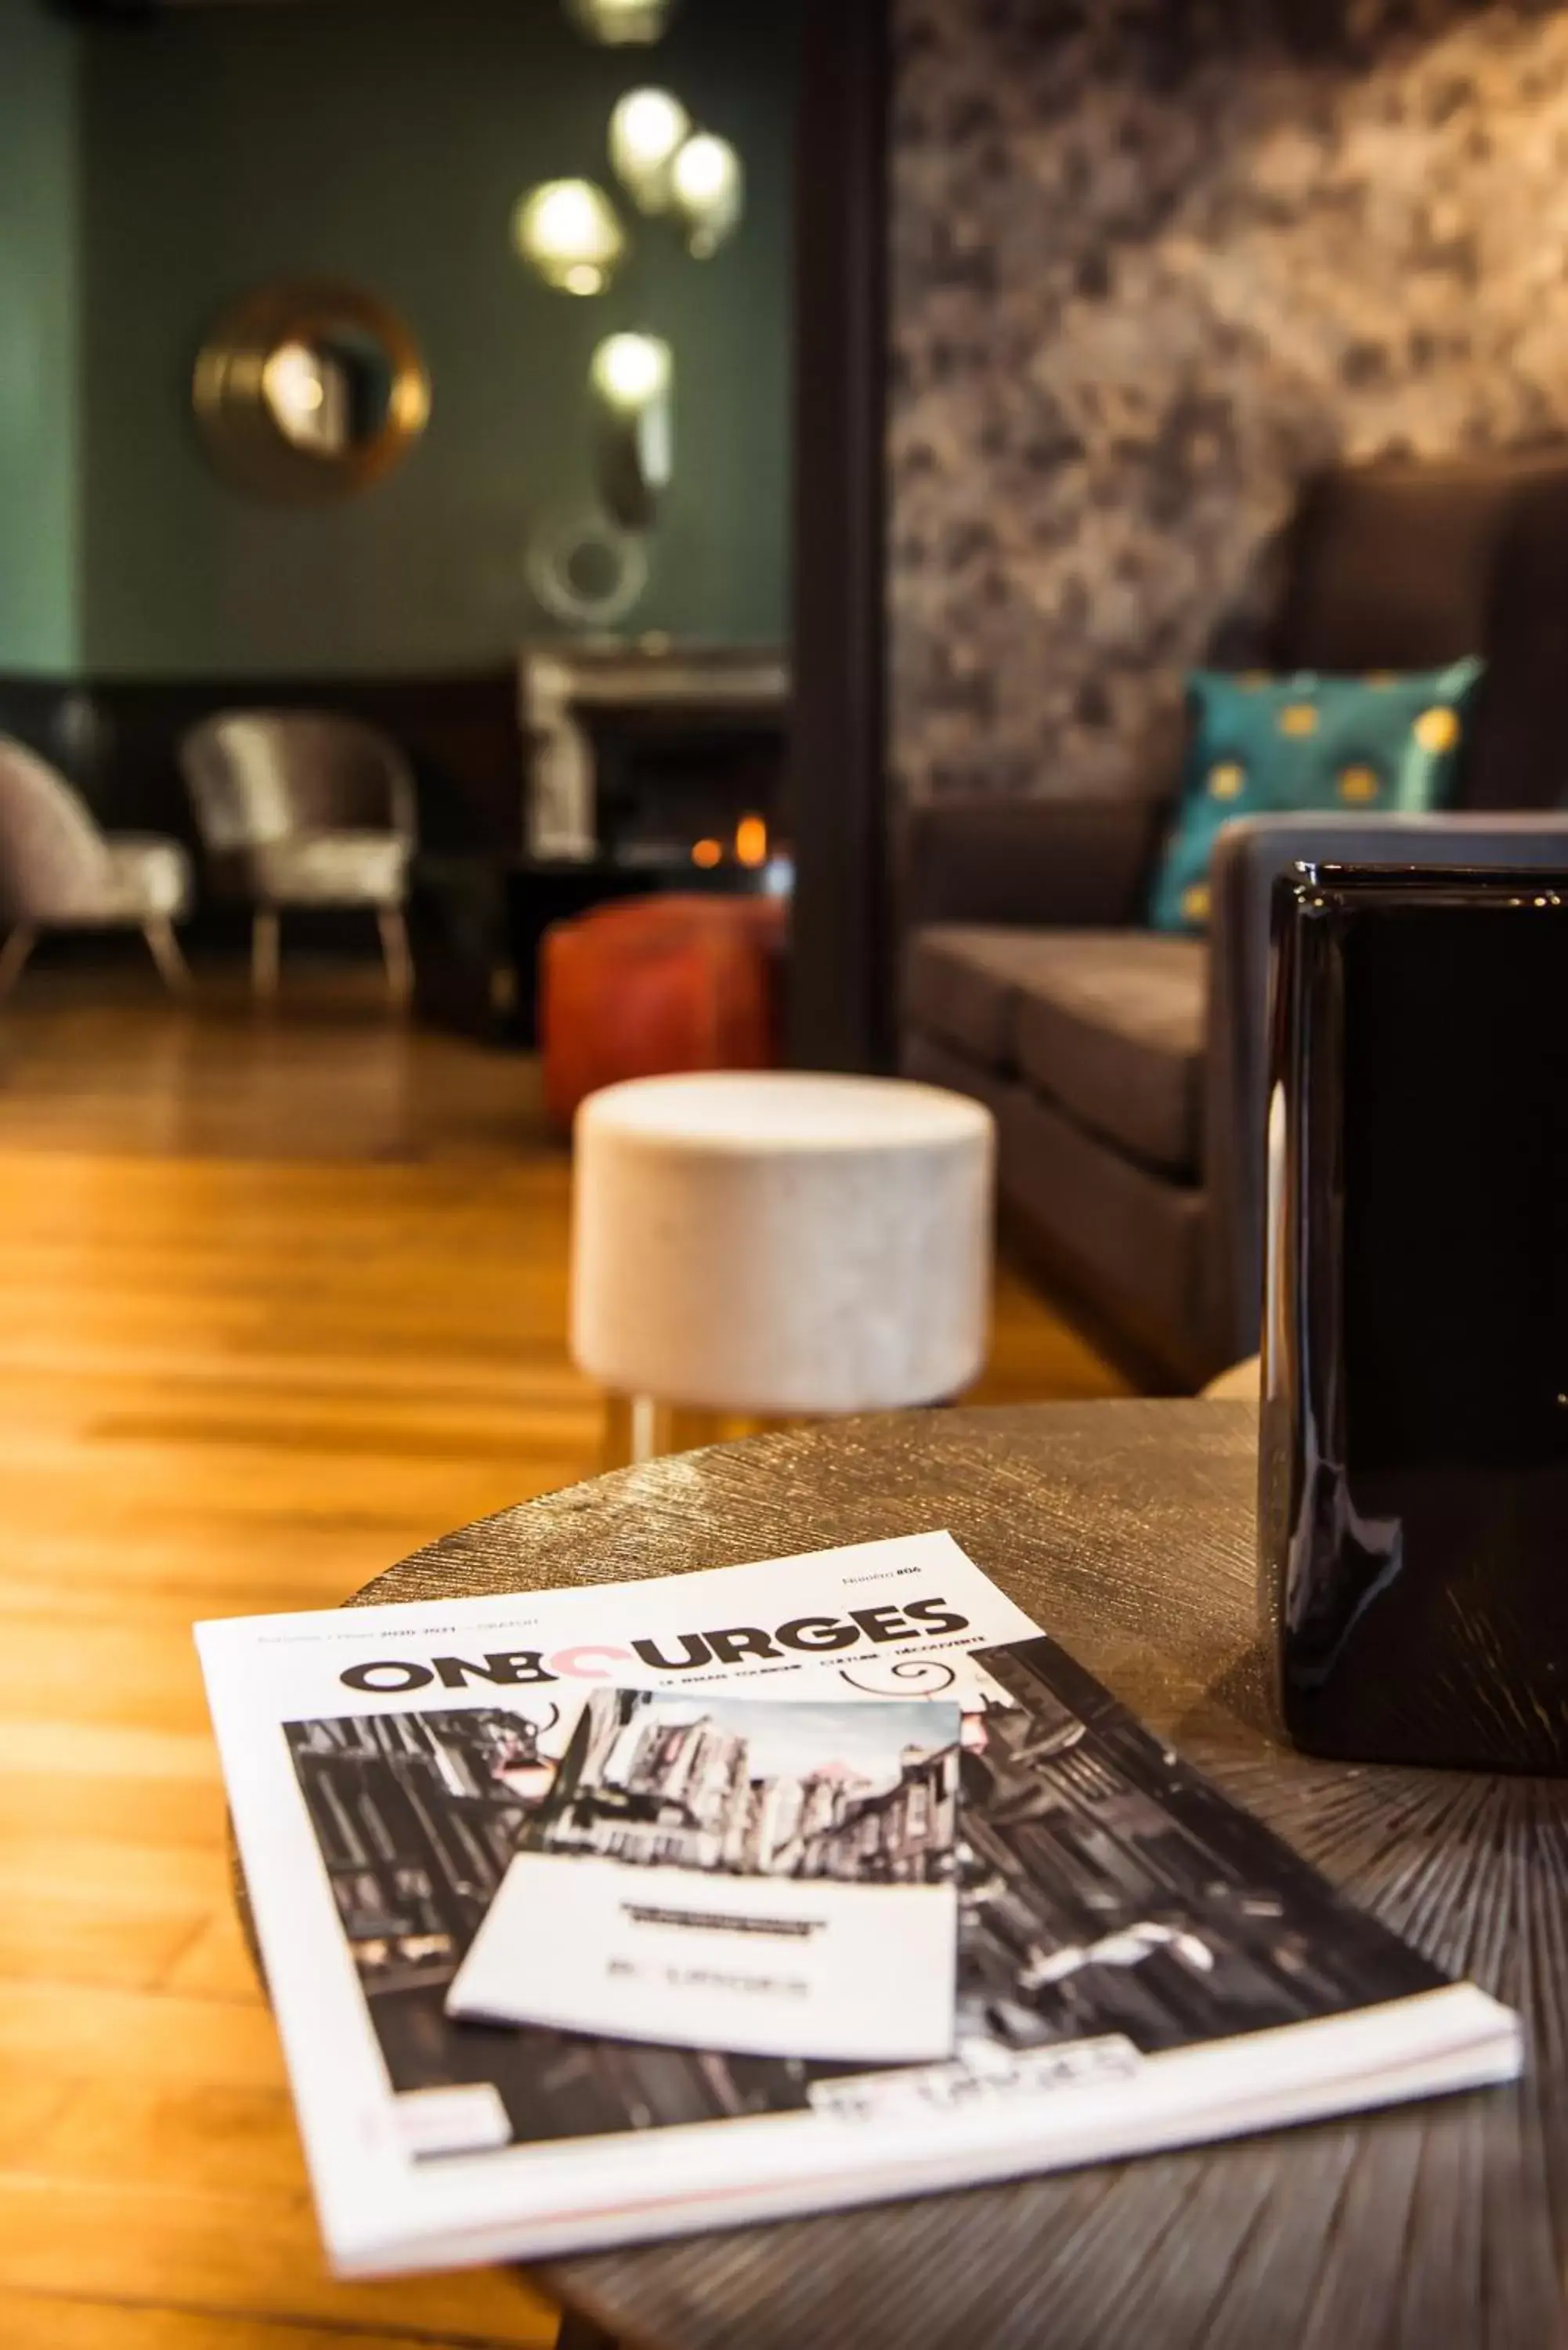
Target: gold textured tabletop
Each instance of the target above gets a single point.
(1127, 1529)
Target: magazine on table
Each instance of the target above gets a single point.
(585, 1803)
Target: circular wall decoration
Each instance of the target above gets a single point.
(306, 392)
(585, 571)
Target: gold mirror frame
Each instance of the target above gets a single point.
(238, 424)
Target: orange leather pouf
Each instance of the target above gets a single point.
(650, 986)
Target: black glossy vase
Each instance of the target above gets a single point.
(1414, 1482)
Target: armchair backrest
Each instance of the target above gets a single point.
(54, 860)
(1411, 563)
(260, 776)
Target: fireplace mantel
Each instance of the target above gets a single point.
(558, 679)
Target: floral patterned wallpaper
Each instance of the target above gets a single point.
(1153, 261)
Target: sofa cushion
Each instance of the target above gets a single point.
(1289, 745)
(931, 1061)
(328, 869)
(1389, 565)
(1111, 1023)
(1111, 1026)
(962, 983)
(1133, 1242)
(148, 876)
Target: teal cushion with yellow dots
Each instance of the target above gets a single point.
(1264, 745)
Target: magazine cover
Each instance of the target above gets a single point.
(1138, 1962)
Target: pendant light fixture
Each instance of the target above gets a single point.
(707, 189)
(632, 378)
(647, 132)
(619, 23)
(567, 230)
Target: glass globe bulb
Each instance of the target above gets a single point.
(631, 379)
(647, 130)
(618, 23)
(631, 371)
(568, 231)
(706, 184)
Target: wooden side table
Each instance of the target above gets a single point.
(1127, 1529)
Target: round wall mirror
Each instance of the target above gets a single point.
(307, 393)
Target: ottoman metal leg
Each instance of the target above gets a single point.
(638, 1428)
(645, 1430)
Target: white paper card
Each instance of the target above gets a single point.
(466, 2118)
(768, 1878)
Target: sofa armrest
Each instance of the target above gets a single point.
(1250, 857)
(1057, 864)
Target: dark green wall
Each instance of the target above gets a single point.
(226, 146)
(39, 629)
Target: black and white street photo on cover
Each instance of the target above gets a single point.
(417, 1815)
(1104, 1887)
(858, 1794)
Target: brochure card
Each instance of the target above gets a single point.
(740, 1874)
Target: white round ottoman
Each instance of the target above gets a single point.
(781, 1244)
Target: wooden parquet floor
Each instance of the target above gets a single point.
(280, 1298)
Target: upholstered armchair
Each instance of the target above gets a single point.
(59, 871)
(304, 808)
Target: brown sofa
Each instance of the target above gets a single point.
(1127, 1068)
